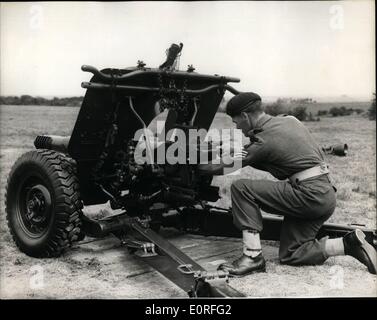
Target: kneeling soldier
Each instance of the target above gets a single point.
(304, 195)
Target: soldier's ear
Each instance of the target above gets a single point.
(246, 116)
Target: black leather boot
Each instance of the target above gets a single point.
(244, 265)
(356, 246)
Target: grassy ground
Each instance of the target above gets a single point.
(86, 273)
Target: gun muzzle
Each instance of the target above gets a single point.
(57, 143)
(337, 150)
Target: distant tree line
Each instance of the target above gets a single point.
(295, 101)
(27, 100)
(292, 107)
(300, 112)
(289, 106)
(298, 108)
(339, 112)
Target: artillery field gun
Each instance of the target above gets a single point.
(48, 187)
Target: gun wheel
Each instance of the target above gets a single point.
(43, 205)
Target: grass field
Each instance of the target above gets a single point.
(354, 176)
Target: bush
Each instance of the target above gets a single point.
(276, 108)
(312, 118)
(322, 113)
(342, 111)
(300, 113)
(345, 112)
(334, 111)
(372, 109)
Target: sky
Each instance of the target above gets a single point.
(298, 49)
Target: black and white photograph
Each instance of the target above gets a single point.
(187, 149)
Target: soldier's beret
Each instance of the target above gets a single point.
(242, 102)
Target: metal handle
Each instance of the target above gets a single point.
(94, 85)
(188, 268)
(174, 74)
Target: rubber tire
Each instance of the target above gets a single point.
(58, 174)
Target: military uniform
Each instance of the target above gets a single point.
(304, 195)
(283, 146)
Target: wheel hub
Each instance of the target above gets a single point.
(38, 204)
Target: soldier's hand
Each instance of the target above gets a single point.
(238, 155)
(226, 148)
(241, 154)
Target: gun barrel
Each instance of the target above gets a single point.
(57, 143)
